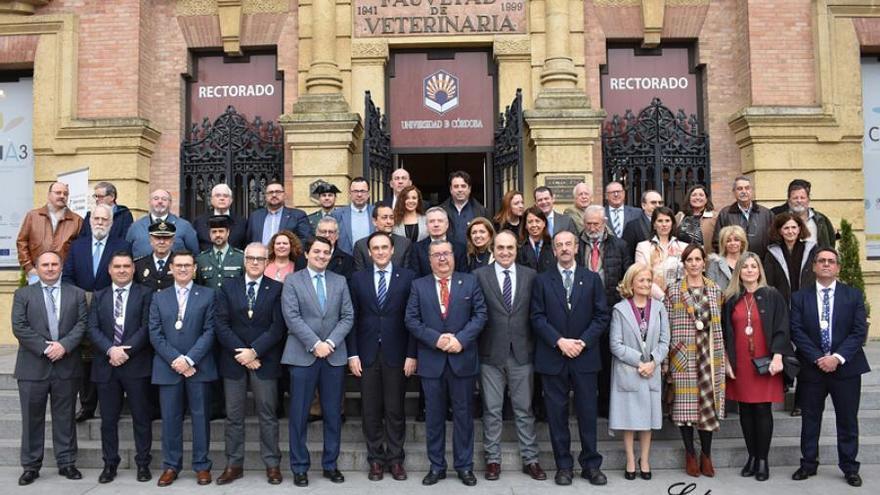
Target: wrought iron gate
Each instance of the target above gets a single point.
(378, 160)
(245, 155)
(658, 150)
(507, 158)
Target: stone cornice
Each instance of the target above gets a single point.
(787, 124)
(21, 7)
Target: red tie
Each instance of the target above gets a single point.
(444, 297)
(594, 258)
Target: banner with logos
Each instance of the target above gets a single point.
(251, 84)
(16, 163)
(441, 102)
(871, 153)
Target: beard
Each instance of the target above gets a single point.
(594, 236)
(797, 208)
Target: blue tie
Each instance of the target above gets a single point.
(550, 225)
(507, 291)
(251, 295)
(382, 293)
(538, 250)
(96, 257)
(826, 317)
(319, 288)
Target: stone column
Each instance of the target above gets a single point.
(323, 76)
(558, 70)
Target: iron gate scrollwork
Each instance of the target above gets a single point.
(657, 149)
(378, 160)
(245, 155)
(507, 162)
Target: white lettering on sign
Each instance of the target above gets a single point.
(236, 90)
(631, 83)
(442, 124)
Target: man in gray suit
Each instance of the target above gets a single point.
(317, 310)
(49, 320)
(506, 348)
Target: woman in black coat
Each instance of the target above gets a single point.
(536, 251)
(789, 259)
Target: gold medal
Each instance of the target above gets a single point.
(178, 324)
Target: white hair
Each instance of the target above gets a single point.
(224, 188)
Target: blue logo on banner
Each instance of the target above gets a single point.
(441, 91)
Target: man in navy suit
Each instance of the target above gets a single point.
(182, 333)
(86, 268)
(446, 313)
(118, 327)
(221, 204)
(617, 212)
(640, 228)
(249, 327)
(829, 327)
(266, 222)
(382, 353)
(355, 219)
(437, 220)
(569, 315)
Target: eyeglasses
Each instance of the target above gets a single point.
(255, 259)
(441, 256)
(99, 196)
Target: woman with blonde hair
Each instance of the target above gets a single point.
(409, 215)
(732, 242)
(696, 358)
(661, 251)
(480, 234)
(284, 249)
(639, 340)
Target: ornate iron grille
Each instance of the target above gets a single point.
(245, 155)
(658, 150)
(507, 163)
(378, 160)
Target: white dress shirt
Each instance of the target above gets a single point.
(819, 298)
(387, 278)
(499, 274)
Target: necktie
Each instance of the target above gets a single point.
(319, 288)
(96, 257)
(181, 303)
(444, 297)
(594, 258)
(567, 282)
(550, 224)
(251, 295)
(51, 312)
(117, 314)
(538, 250)
(383, 289)
(161, 265)
(219, 256)
(618, 228)
(826, 318)
(507, 291)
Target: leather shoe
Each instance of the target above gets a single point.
(398, 472)
(433, 477)
(273, 475)
(168, 477)
(467, 477)
(377, 472)
(762, 470)
(493, 471)
(315, 417)
(690, 465)
(230, 474)
(301, 479)
(563, 477)
(203, 477)
(749, 469)
(534, 470)
(595, 476)
(83, 415)
(853, 479)
(802, 474)
(28, 477)
(107, 475)
(70, 472)
(334, 475)
(144, 474)
(706, 466)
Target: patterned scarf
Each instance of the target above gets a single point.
(698, 307)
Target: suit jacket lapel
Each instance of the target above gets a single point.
(558, 287)
(68, 308)
(813, 313)
(577, 288)
(495, 289)
(130, 323)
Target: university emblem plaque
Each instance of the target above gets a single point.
(441, 91)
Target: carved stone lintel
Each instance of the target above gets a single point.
(230, 13)
(652, 17)
(22, 7)
(374, 49)
(512, 46)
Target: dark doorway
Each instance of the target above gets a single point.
(430, 173)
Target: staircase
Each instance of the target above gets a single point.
(728, 449)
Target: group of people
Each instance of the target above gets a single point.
(621, 312)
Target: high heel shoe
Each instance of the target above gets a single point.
(749, 469)
(762, 470)
(690, 465)
(630, 475)
(645, 475)
(706, 466)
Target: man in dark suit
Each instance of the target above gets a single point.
(221, 202)
(569, 315)
(105, 193)
(617, 212)
(446, 313)
(437, 220)
(607, 256)
(340, 262)
(326, 193)
(154, 269)
(119, 330)
(317, 310)
(461, 207)
(829, 327)
(266, 222)
(182, 333)
(49, 320)
(639, 230)
(86, 268)
(249, 327)
(383, 221)
(382, 353)
(506, 349)
(556, 222)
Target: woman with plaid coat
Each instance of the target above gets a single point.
(696, 366)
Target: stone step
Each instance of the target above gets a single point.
(665, 454)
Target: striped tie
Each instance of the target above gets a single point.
(507, 291)
(615, 221)
(382, 293)
(117, 314)
(826, 318)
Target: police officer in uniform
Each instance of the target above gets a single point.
(152, 270)
(327, 198)
(222, 261)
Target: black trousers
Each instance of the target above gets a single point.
(756, 421)
(138, 392)
(383, 389)
(845, 394)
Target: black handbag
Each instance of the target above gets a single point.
(762, 364)
(790, 365)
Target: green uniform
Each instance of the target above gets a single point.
(212, 274)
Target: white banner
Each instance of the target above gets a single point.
(16, 163)
(871, 153)
(80, 194)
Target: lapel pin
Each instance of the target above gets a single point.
(581, 282)
(146, 272)
(459, 281)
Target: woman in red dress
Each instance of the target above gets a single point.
(755, 322)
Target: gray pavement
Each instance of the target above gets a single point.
(665, 482)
